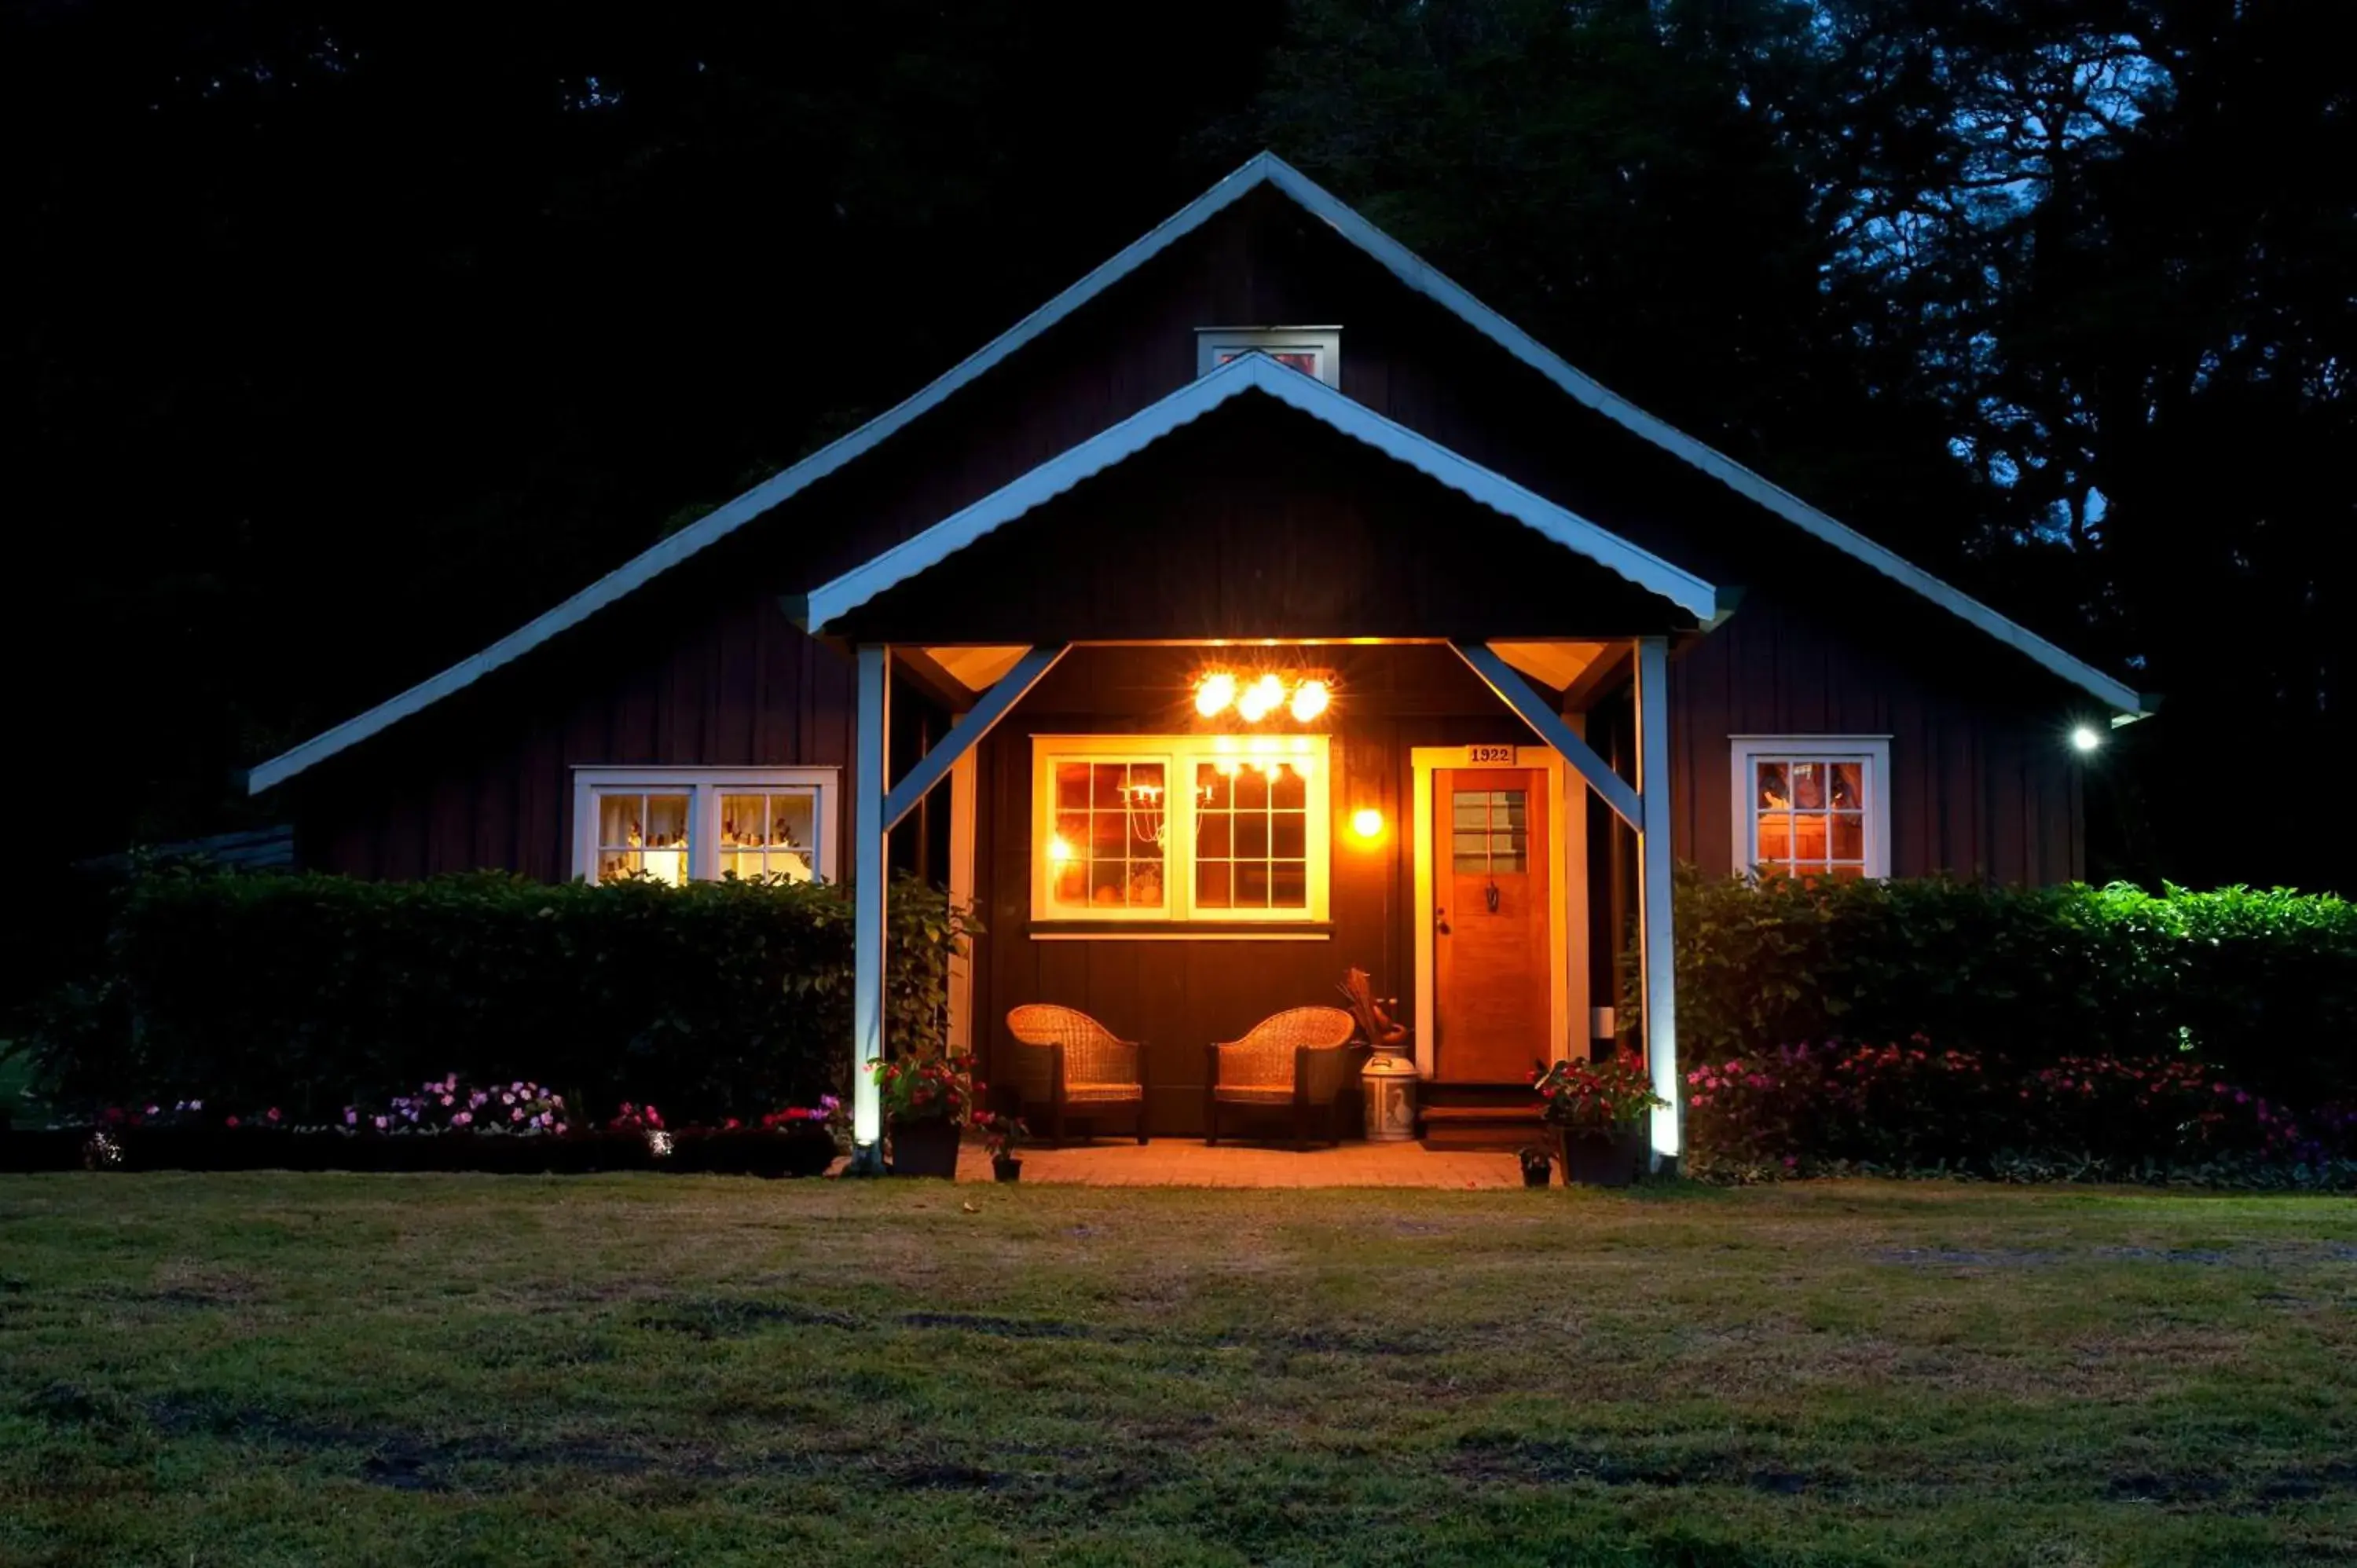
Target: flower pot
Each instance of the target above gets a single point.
(1006, 1168)
(925, 1148)
(1602, 1157)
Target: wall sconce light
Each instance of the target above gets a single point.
(2086, 738)
(1310, 700)
(1368, 823)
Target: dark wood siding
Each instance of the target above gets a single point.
(487, 781)
(1978, 786)
(1176, 995)
(702, 667)
(1256, 521)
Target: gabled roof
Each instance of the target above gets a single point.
(1264, 170)
(1255, 373)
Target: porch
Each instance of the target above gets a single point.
(1271, 690)
(1188, 1162)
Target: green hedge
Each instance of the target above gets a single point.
(2262, 986)
(310, 992)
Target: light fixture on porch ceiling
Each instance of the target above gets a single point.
(1307, 697)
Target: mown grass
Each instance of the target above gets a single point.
(277, 1369)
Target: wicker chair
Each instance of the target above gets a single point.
(1291, 1058)
(1067, 1061)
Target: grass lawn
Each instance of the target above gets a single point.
(347, 1369)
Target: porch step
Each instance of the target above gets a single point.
(1496, 1126)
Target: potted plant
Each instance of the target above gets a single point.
(928, 1098)
(1598, 1111)
(1537, 1163)
(1003, 1134)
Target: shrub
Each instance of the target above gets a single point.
(2260, 987)
(314, 992)
(1914, 1106)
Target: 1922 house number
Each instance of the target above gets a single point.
(1488, 756)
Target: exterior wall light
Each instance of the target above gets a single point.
(1218, 691)
(1367, 822)
(2086, 738)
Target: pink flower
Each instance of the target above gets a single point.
(445, 1100)
(380, 1123)
(450, 1081)
(516, 1114)
(229, 1122)
(351, 1117)
(462, 1118)
(557, 1100)
(272, 1113)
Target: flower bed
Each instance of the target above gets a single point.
(1815, 1109)
(796, 1150)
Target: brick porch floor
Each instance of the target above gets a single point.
(1187, 1162)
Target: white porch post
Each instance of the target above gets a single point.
(870, 779)
(1653, 888)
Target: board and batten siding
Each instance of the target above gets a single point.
(1978, 788)
(486, 780)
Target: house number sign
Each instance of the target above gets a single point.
(1488, 756)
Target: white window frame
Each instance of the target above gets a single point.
(704, 787)
(1326, 342)
(1178, 753)
(1872, 751)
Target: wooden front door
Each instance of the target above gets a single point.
(1493, 972)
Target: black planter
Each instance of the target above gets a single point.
(1537, 1166)
(925, 1148)
(1006, 1167)
(1602, 1158)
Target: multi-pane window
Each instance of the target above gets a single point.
(1252, 834)
(1490, 831)
(1812, 806)
(1105, 852)
(1177, 828)
(644, 832)
(769, 832)
(682, 824)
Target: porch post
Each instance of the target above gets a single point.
(869, 843)
(1656, 949)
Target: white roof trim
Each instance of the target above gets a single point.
(1265, 169)
(1256, 372)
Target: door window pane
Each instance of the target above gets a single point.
(1493, 832)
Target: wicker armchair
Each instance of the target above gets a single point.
(1290, 1058)
(1067, 1061)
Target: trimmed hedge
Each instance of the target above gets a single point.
(313, 992)
(2261, 987)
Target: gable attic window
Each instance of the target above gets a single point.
(1812, 805)
(1313, 351)
(700, 824)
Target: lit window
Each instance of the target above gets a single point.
(1812, 806)
(678, 825)
(1178, 828)
(1313, 351)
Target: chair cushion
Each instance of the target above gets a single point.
(1100, 1094)
(1254, 1093)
